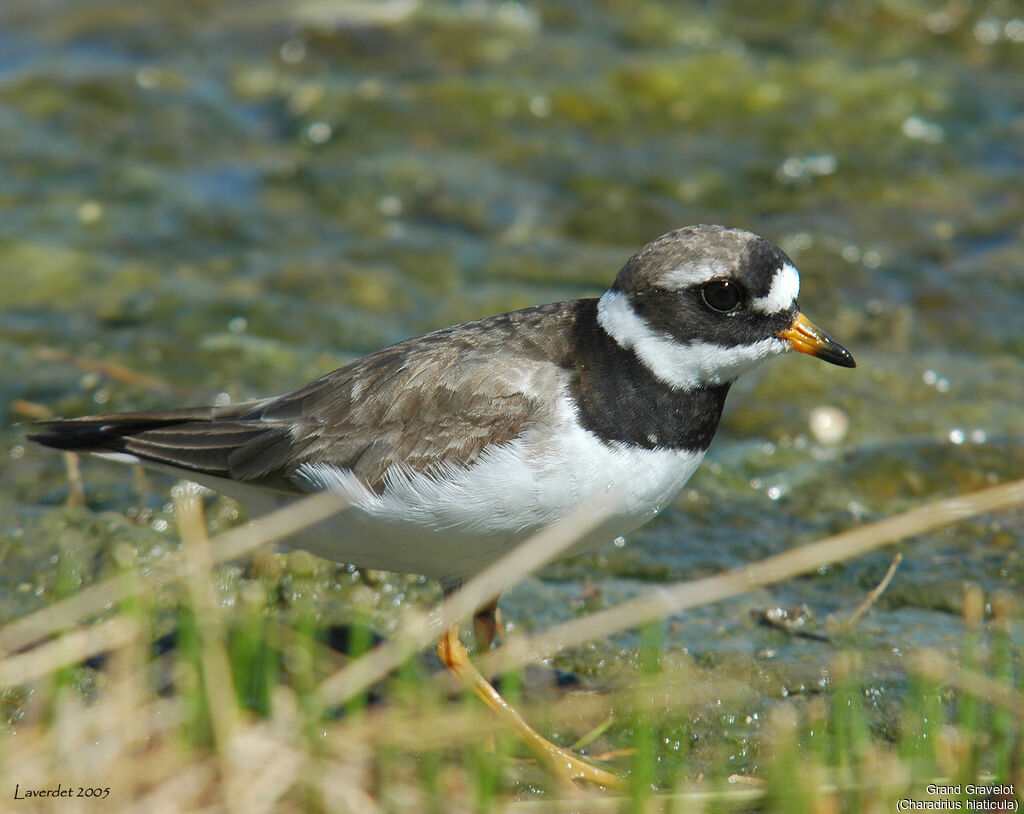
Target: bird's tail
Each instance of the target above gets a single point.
(224, 442)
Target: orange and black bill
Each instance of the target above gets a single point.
(806, 337)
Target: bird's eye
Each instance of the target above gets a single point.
(721, 295)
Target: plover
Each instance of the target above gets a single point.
(454, 446)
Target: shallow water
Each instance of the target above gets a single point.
(231, 199)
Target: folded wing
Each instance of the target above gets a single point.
(422, 405)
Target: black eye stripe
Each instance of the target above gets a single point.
(721, 295)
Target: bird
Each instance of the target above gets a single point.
(453, 447)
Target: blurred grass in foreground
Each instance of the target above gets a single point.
(242, 711)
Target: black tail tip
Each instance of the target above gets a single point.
(69, 435)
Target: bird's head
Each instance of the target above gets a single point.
(704, 303)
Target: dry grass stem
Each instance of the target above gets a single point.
(666, 602)
(71, 648)
(112, 369)
(873, 595)
(30, 409)
(76, 488)
(216, 666)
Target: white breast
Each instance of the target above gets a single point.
(453, 522)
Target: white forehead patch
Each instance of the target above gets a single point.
(683, 365)
(782, 294)
(687, 276)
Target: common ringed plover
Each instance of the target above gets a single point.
(453, 447)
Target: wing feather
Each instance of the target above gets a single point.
(422, 404)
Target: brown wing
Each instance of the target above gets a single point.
(436, 400)
(439, 399)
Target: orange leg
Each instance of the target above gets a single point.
(565, 765)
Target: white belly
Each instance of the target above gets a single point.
(451, 524)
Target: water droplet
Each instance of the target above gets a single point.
(390, 206)
(293, 51)
(90, 212)
(828, 425)
(540, 106)
(821, 164)
(792, 169)
(319, 132)
(914, 127)
(1014, 30)
(938, 22)
(147, 77)
(986, 31)
(802, 241)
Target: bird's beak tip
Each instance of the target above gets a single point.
(806, 337)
